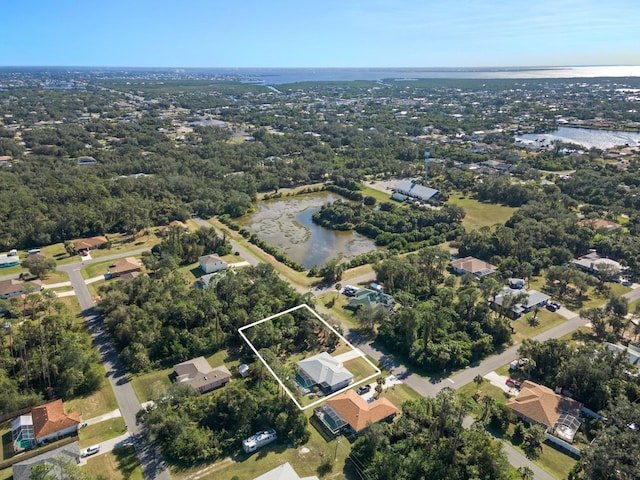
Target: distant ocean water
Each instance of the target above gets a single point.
(275, 76)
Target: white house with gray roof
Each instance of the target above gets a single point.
(530, 300)
(324, 371)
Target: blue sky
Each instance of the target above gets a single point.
(320, 33)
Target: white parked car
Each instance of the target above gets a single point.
(92, 450)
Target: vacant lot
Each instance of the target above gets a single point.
(121, 464)
(480, 214)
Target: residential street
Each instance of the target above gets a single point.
(148, 453)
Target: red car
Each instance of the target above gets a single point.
(513, 383)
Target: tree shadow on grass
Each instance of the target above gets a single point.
(127, 460)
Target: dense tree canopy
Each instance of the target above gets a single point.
(429, 441)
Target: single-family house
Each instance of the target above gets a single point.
(632, 353)
(537, 404)
(351, 412)
(90, 243)
(599, 224)
(44, 423)
(415, 191)
(211, 263)
(67, 454)
(8, 260)
(592, 263)
(371, 298)
(14, 287)
(475, 266)
(324, 371)
(124, 266)
(283, 472)
(198, 373)
(529, 299)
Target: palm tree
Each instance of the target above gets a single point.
(478, 380)
(526, 473)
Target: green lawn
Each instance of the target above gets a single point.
(147, 384)
(398, 394)
(246, 467)
(121, 464)
(98, 403)
(56, 277)
(100, 432)
(334, 303)
(545, 320)
(480, 214)
(359, 368)
(95, 269)
(486, 390)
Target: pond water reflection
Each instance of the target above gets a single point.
(286, 224)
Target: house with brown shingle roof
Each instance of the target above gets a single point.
(89, 243)
(473, 265)
(198, 373)
(125, 265)
(537, 404)
(14, 287)
(353, 412)
(44, 423)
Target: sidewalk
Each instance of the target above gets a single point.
(70, 293)
(57, 285)
(95, 279)
(101, 418)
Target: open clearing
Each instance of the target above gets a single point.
(480, 214)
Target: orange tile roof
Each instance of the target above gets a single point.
(50, 418)
(357, 412)
(542, 405)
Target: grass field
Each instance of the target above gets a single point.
(121, 464)
(480, 214)
(147, 384)
(334, 303)
(486, 389)
(545, 320)
(305, 460)
(98, 403)
(102, 431)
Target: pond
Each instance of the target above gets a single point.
(286, 224)
(587, 137)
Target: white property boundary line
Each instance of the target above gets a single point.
(333, 330)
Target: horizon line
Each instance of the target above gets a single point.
(487, 67)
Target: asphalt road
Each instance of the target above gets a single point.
(148, 453)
